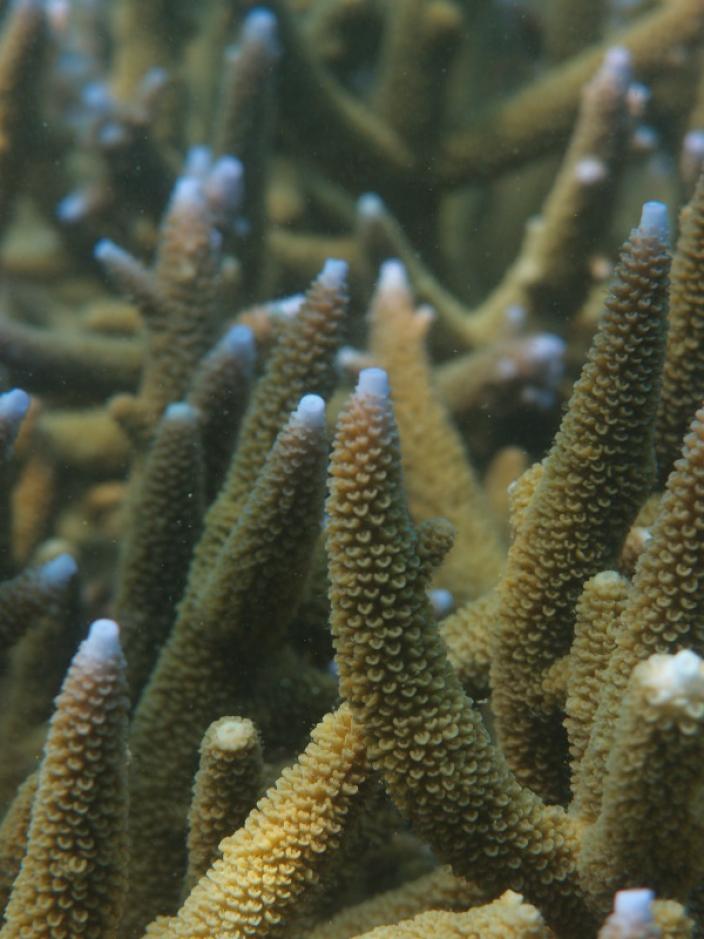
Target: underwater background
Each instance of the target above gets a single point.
(352, 457)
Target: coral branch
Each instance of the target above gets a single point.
(594, 479)
(73, 877)
(274, 865)
(422, 733)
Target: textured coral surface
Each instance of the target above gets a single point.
(352, 475)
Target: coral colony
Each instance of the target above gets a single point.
(375, 610)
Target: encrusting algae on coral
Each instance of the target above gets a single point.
(355, 689)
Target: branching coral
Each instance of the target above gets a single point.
(472, 713)
(73, 877)
(422, 734)
(596, 476)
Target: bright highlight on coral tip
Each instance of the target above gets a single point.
(694, 143)
(229, 169)
(289, 306)
(671, 677)
(260, 26)
(188, 193)
(198, 161)
(180, 411)
(59, 570)
(618, 61)
(234, 733)
(14, 404)
(310, 411)
(105, 249)
(374, 382)
(370, 205)
(393, 276)
(103, 640)
(654, 219)
(239, 341)
(224, 184)
(442, 602)
(334, 273)
(635, 906)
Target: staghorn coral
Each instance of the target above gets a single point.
(13, 836)
(155, 560)
(176, 300)
(252, 588)
(507, 916)
(637, 915)
(595, 477)
(446, 487)
(655, 754)
(205, 532)
(661, 613)
(438, 762)
(73, 878)
(682, 385)
(408, 714)
(277, 859)
(225, 788)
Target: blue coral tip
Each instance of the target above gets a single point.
(59, 570)
(14, 404)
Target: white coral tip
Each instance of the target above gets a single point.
(234, 733)
(106, 250)
(617, 64)
(693, 144)
(103, 642)
(654, 219)
(188, 195)
(370, 206)
(199, 160)
(590, 170)
(393, 277)
(238, 341)
(442, 602)
(334, 274)
(224, 184)
(634, 907)
(545, 348)
(260, 27)
(606, 579)
(14, 404)
(59, 570)
(180, 411)
(674, 679)
(310, 411)
(289, 307)
(373, 382)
